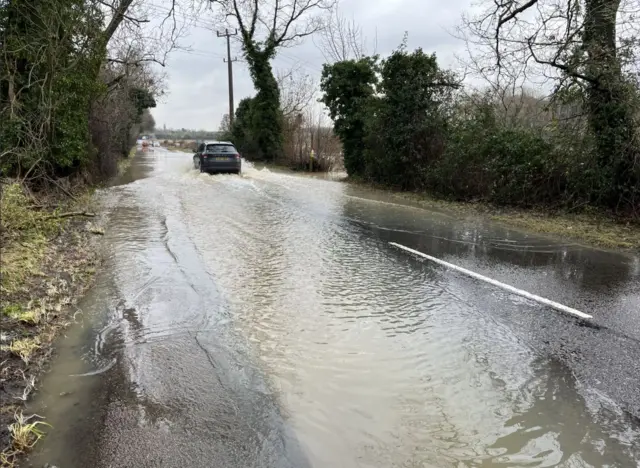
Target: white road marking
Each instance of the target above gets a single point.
(519, 292)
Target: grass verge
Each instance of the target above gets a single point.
(125, 163)
(48, 257)
(593, 228)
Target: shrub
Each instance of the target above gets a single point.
(348, 88)
(402, 124)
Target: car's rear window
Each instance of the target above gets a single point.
(220, 149)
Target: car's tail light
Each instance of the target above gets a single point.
(237, 155)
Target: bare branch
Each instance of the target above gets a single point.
(554, 63)
(118, 15)
(136, 21)
(341, 39)
(297, 90)
(505, 17)
(136, 62)
(511, 13)
(277, 22)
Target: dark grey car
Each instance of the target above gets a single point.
(217, 156)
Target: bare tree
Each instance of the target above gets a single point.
(297, 89)
(305, 125)
(324, 142)
(563, 42)
(585, 49)
(116, 116)
(137, 31)
(265, 26)
(225, 125)
(341, 39)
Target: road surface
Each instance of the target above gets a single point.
(264, 320)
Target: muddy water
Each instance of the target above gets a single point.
(264, 320)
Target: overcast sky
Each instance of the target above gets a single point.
(197, 88)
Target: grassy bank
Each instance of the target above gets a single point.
(593, 228)
(48, 260)
(125, 163)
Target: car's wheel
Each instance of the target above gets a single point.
(196, 163)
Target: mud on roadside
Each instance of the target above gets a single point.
(47, 264)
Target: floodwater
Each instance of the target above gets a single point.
(265, 321)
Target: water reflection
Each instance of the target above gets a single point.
(604, 284)
(591, 270)
(382, 361)
(375, 359)
(556, 427)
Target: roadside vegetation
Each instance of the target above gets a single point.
(73, 98)
(170, 134)
(278, 124)
(406, 123)
(75, 88)
(552, 127)
(77, 83)
(48, 259)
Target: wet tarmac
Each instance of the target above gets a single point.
(264, 320)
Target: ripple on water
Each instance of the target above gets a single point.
(379, 361)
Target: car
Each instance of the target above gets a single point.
(216, 157)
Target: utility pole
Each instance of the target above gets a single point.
(228, 35)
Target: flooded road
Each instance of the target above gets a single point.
(265, 321)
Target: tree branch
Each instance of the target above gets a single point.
(554, 63)
(118, 15)
(504, 18)
(70, 214)
(136, 21)
(245, 34)
(292, 19)
(136, 62)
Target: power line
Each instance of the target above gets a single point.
(168, 12)
(210, 25)
(300, 61)
(200, 54)
(213, 25)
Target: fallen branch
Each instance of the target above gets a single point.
(65, 191)
(41, 207)
(71, 213)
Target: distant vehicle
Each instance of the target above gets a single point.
(143, 141)
(217, 156)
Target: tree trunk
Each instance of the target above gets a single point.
(609, 103)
